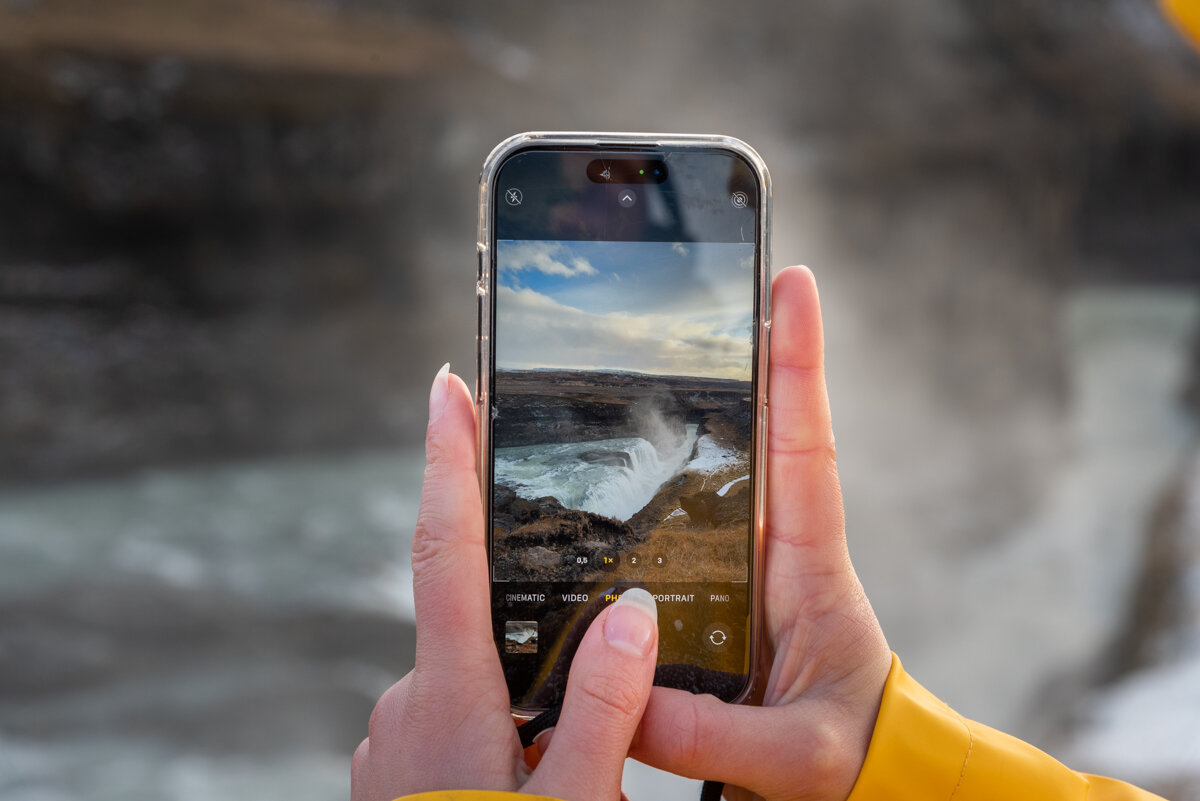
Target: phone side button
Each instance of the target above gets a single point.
(766, 379)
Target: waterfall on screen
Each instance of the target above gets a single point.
(609, 477)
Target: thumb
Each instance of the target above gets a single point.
(607, 690)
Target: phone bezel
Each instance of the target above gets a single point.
(485, 288)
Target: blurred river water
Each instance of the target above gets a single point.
(202, 633)
(222, 632)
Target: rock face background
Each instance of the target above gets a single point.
(236, 240)
(568, 406)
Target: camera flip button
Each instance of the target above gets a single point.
(715, 636)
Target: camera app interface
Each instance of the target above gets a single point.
(622, 410)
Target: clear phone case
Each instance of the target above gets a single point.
(485, 286)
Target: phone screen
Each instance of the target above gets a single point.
(623, 416)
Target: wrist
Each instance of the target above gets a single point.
(861, 718)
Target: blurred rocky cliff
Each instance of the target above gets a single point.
(234, 227)
(206, 236)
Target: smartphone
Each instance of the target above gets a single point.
(621, 397)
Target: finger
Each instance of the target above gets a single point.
(804, 515)
(358, 771)
(542, 741)
(386, 724)
(607, 689)
(762, 749)
(449, 557)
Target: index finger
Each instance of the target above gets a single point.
(805, 526)
(449, 557)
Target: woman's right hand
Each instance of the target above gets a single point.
(828, 659)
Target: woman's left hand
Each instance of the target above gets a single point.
(446, 725)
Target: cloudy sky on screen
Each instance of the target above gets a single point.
(666, 308)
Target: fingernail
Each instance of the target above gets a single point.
(632, 623)
(439, 391)
(542, 740)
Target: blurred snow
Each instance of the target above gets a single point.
(1146, 726)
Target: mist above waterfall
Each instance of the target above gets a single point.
(659, 420)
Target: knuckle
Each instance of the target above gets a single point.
(612, 699)
(701, 735)
(438, 533)
(687, 737)
(442, 451)
(429, 539)
(358, 762)
(434, 540)
(360, 753)
(797, 442)
(380, 722)
(385, 717)
(825, 753)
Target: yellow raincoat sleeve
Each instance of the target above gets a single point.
(923, 749)
(1185, 14)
